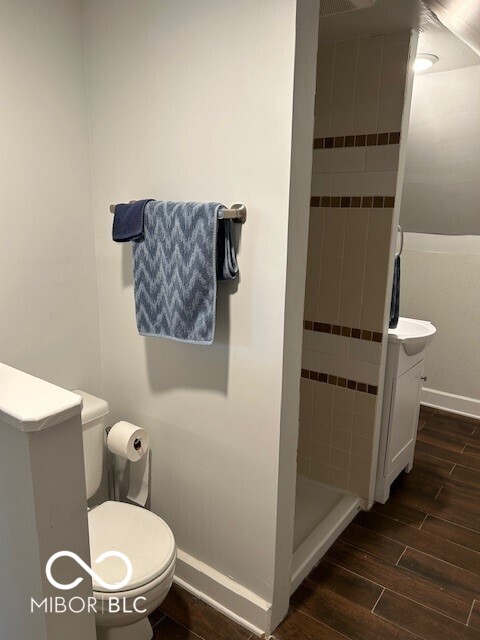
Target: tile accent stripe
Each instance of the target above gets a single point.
(345, 202)
(363, 140)
(346, 332)
(326, 378)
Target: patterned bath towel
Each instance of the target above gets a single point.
(184, 250)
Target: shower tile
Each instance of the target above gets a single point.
(319, 471)
(375, 288)
(331, 344)
(351, 294)
(358, 115)
(339, 478)
(346, 47)
(309, 360)
(369, 65)
(322, 413)
(321, 453)
(382, 158)
(363, 425)
(360, 466)
(364, 404)
(339, 160)
(323, 394)
(344, 398)
(303, 466)
(341, 439)
(322, 184)
(328, 301)
(401, 37)
(306, 389)
(310, 308)
(340, 459)
(372, 318)
(359, 484)
(364, 117)
(304, 447)
(371, 42)
(349, 313)
(306, 409)
(305, 429)
(334, 232)
(353, 269)
(365, 351)
(332, 265)
(361, 446)
(390, 115)
(322, 433)
(342, 419)
(356, 232)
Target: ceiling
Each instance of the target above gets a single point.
(394, 15)
(462, 17)
(452, 53)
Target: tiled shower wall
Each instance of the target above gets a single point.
(358, 115)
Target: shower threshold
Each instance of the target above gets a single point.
(321, 514)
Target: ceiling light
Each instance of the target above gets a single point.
(424, 61)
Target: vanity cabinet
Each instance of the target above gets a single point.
(401, 406)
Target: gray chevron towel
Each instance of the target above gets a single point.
(176, 265)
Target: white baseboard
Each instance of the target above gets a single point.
(224, 594)
(451, 402)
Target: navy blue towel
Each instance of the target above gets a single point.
(395, 303)
(128, 221)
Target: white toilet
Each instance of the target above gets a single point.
(143, 537)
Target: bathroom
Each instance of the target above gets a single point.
(236, 93)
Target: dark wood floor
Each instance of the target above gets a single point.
(407, 569)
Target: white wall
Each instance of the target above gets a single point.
(193, 101)
(441, 194)
(49, 320)
(442, 191)
(440, 283)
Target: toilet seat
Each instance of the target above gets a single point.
(142, 536)
(147, 591)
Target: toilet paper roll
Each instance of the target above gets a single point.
(128, 441)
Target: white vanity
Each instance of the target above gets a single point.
(404, 379)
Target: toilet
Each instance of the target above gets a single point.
(139, 534)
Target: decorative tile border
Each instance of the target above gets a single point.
(363, 140)
(346, 202)
(346, 332)
(326, 378)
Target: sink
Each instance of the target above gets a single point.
(414, 335)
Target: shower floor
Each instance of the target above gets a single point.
(321, 513)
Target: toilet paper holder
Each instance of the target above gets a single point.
(112, 493)
(111, 470)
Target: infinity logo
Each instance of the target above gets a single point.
(95, 576)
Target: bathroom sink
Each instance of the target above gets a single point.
(414, 335)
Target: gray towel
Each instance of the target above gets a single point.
(175, 270)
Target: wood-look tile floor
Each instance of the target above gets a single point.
(407, 569)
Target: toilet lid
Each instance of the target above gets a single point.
(143, 537)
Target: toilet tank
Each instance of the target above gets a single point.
(94, 412)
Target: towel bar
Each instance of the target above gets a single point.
(237, 212)
(400, 230)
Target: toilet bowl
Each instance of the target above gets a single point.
(140, 535)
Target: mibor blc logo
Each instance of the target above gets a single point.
(106, 585)
(77, 604)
